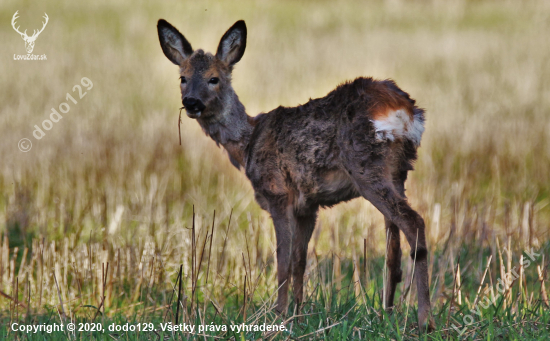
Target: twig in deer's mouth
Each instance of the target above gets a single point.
(179, 123)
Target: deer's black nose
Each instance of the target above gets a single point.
(193, 104)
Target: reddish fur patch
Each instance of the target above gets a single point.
(212, 72)
(186, 69)
(385, 100)
(216, 68)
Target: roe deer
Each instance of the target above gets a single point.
(359, 140)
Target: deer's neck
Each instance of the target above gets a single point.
(232, 129)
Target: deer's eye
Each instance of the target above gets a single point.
(214, 80)
(183, 80)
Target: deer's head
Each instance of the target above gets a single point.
(29, 41)
(205, 78)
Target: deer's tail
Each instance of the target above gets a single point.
(416, 127)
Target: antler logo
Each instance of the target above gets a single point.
(29, 41)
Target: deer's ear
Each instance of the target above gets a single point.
(233, 44)
(173, 43)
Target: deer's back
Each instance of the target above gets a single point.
(297, 153)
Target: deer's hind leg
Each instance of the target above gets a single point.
(393, 247)
(382, 194)
(393, 263)
(370, 169)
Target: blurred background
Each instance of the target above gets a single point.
(110, 182)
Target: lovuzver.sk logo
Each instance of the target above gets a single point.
(29, 41)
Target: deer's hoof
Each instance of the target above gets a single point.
(280, 311)
(428, 326)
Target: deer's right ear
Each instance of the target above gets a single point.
(173, 43)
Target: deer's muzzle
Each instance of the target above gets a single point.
(193, 107)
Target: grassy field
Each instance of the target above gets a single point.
(97, 219)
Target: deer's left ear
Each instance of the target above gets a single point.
(233, 44)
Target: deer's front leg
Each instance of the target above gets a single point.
(304, 229)
(284, 233)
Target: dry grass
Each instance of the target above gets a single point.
(109, 182)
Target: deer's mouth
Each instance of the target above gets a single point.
(193, 113)
(193, 106)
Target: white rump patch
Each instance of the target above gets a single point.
(398, 124)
